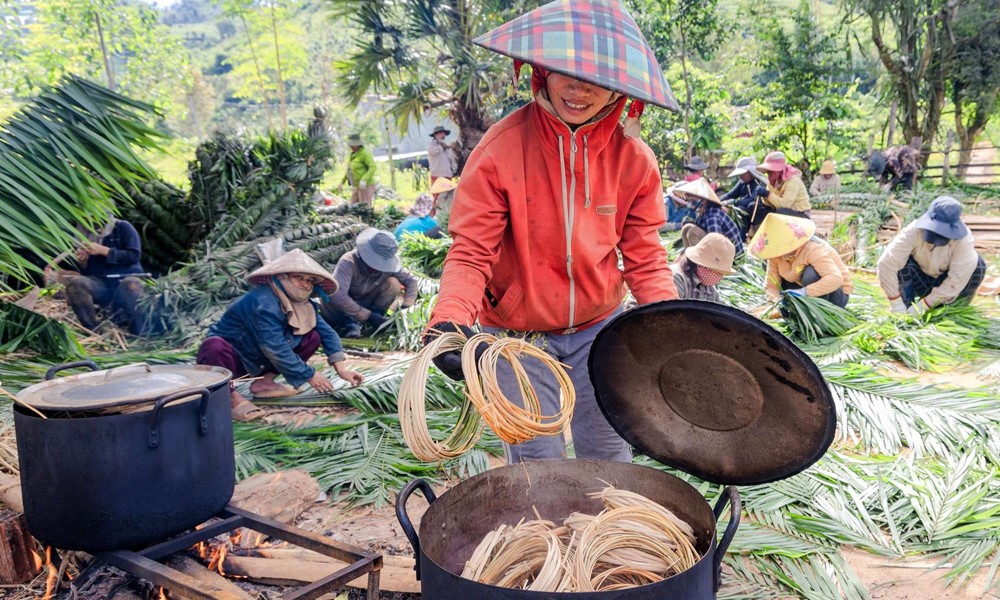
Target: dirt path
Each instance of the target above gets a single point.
(982, 154)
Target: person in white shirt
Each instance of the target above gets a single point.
(931, 261)
(441, 157)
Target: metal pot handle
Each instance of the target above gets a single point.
(735, 509)
(51, 373)
(404, 519)
(107, 374)
(154, 419)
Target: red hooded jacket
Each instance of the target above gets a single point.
(539, 217)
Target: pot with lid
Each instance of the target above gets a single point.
(123, 457)
(699, 386)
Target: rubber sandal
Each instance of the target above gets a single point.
(283, 391)
(247, 411)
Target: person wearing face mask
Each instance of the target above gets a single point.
(798, 263)
(274, 329)
(547, 200)
(932, 261)
(702, 266)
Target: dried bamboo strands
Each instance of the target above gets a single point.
(633, 541)
(412, 408)
(485, 403)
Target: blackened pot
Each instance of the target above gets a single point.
(455, 523)
(126, 480)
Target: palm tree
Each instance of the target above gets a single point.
(420, 53)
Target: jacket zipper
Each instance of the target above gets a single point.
(569, 215)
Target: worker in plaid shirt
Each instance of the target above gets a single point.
(711, 218)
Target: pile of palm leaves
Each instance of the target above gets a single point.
(813, 319)
(423, 254)
(362, 458)
(62, 159)
(21, 328)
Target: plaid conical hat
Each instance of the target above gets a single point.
(294, 261)
(592, 40)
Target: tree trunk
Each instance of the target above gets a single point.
(104, 52)
(472, 126)
(277, 61)
(969, 132)
(687, 97)
(256, 66)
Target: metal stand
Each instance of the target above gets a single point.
(144, 563)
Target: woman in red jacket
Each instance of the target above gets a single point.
(549, 198)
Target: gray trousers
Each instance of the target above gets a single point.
(593, 436)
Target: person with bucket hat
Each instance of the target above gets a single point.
(547, 200)
(360, 173)
(743, 196)
(441, 157)
(932, 261)
(785, 193)
(702, 266)
(273, 330)
(827, 181)
(798, 263)
(710, 218)
(420, 219)
(370, 279)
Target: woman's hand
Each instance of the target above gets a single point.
(320, 383)
(352, 377)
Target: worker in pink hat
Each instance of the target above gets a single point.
(549, 198)
(785, 193)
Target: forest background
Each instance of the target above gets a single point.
(817, 79)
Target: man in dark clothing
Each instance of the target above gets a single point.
(369, 279)
(744, 195)
(897, 167)
(109, 277)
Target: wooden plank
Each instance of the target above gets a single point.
(397, 572)
(211, 579)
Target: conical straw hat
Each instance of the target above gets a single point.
(780, 234)
(699, 188)
(295, 261)
(592, 40)
(441, 185)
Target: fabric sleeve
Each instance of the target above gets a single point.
(680, 284)
(647, 271)
(128, 247)
(820, 258)
(793, 191)
(341, 300)
(269, 328)
(733, 193)
(332, 346)
(894, 258)
(369, 162)
(814, 186)
(772, 280)
(963, 264)
(434, 149)
(409, 283)
(479, 218)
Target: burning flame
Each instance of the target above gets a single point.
(39, 563)
(50, 580)
(163, 594)
(218, 559)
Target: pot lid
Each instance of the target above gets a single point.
(712, 391)
(131, 384)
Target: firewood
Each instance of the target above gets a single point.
(210, 579)
(397, 573)
(17, 565)
(281, 496)
(10, 492)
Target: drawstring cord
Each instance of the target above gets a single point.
(586, 175)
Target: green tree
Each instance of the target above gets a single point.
(420, 53)
(680, 30)
(975, 71)
(916, 56)
(673, 140)
(804, 84)
(115, 42)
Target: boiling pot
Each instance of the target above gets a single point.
(128, 456)
(699, 386)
